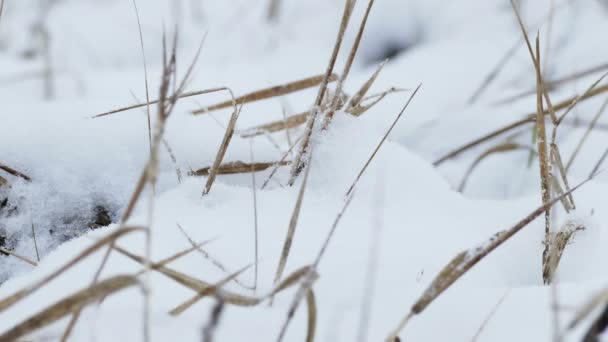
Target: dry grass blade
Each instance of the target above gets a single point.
(207, 291)
(255, 219)
(557, 243)
(600, 298)
(178, 171)
(276, 167)
(500, 148)
(311, 305)
(293, 222)
(191, 282)
(465, 260)
(489, 317)
(597, 328)
(335, 104)
(140, 105)
(143, 56)
(9, 301)
(587, 133)
(556, 158)
(311, 276)
(592, 88)
(493, 74)
(275, 126)
(363, 108)
(599, 163)
(487, 137)
(223, 148)
(67, 305)
(214, 320)
(238, 167)
(14, 172)
(20, 257)
(302, 155)
(271, 92)
(356, 100)
(207, 256)
(390, 129)
(557, 82)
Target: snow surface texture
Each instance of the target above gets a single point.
(79, 165)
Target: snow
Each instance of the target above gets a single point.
(78, 163)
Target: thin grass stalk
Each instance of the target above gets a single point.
(390, 129)
(18, 256)
(302, 156)
(465, 261)
(267, 93)
(588, 131)
(222, 149)
(349, 62)
(293, 222)
(255, 219)
(67, 305)
(14, 172)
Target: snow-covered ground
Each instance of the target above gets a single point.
(83, 170)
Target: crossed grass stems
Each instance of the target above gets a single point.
(553, 175)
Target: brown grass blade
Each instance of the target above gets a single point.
(484, 138)
(291, 230)
(20, 257)
(363, 108)
(276, 167)
(556, 244)
(14, 172)
(191, 282)
(588, 131)
(598, 299)
(222, 150)
(211, 259)
(335, 104)
(303, 156)
(556, 158)
(356, 100)
(500, 148)
(493, 74)
(489, 317)
(276, 126)
(553, 84)
(140, 105)
(214, 320)
(9, 301)
(598, 327)
(236, 167)
(311, 276)
(390, 129)
(464, 261)
(67, 305)
(255, 219)
(271, 92)
(311, 305)
(208, 291)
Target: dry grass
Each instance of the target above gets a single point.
(69, 305)
(268, 93)
(465, 261)
(213, 172)
(14, 172)
(500, 148)
(238, 167)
